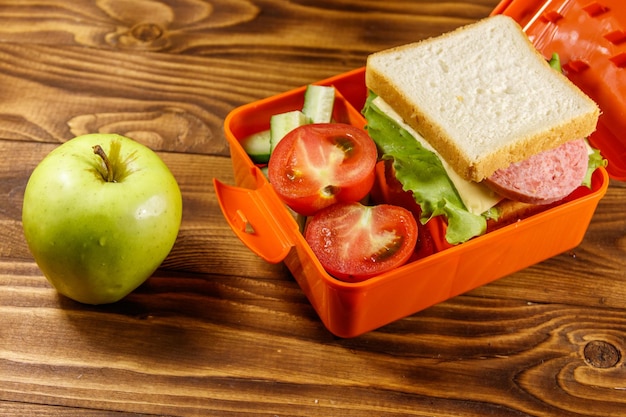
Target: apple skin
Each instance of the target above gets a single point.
(97, 241)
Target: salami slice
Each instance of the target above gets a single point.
(543, 178)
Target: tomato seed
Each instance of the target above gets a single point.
(329, 191)
(345, 144)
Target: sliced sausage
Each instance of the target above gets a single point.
(543, 178)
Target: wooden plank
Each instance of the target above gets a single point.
(255, 30)
(222, 352)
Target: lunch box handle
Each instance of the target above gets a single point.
(258, 217)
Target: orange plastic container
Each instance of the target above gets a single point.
(265, 225)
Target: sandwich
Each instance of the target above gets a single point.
(476, 123)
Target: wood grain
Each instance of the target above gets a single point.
(199, 342)
(216, 330)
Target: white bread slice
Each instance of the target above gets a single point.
(482, 95)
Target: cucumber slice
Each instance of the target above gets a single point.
(318, 103)
(257, 146)
(283, 123)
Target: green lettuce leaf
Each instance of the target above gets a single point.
(421, 172)
(555, 62)
(595, 161)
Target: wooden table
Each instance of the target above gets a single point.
(217, 331)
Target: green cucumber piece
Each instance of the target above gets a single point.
(318, 103)
(283, 123)
(257, 146)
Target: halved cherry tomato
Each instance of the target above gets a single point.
(354, 242)
(317, 165)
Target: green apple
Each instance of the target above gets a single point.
(101, 212)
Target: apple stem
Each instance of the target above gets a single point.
(107, 164)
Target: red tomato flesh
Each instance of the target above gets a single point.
(388, 190)
(317, 165)
(354, 242)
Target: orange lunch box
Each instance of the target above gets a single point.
(265, 225)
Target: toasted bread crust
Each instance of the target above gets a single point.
(548, 134)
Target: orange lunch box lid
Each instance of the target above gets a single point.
(590, 38)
